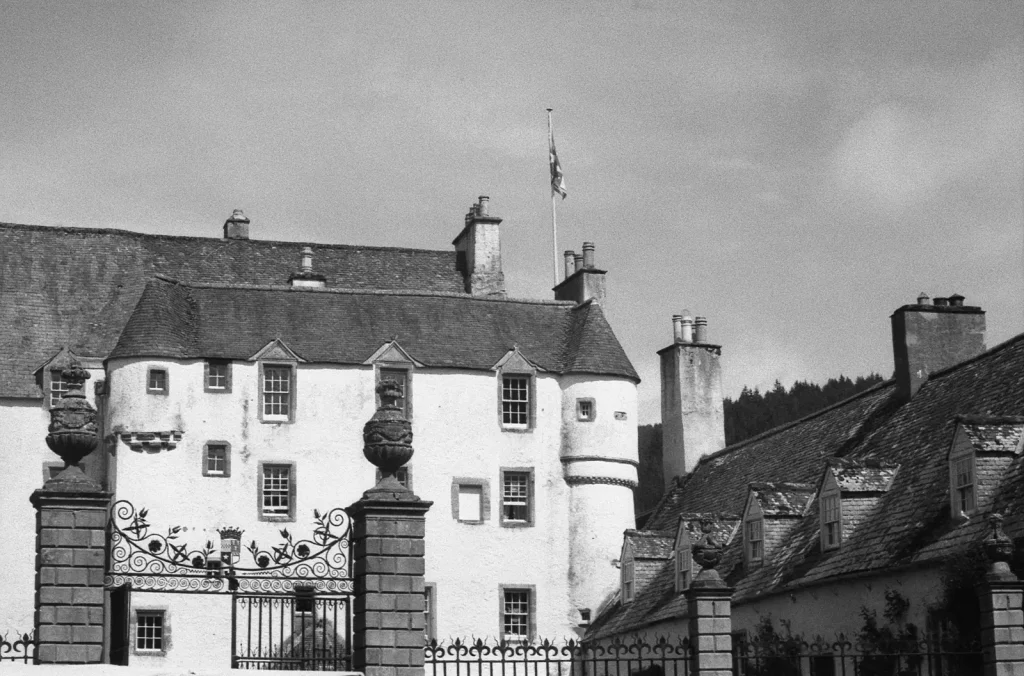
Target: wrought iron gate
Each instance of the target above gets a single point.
(292, 632)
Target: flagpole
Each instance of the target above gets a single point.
(554, 220)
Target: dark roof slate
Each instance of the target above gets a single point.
(77, 287)
(347, 327)
(865, 476)
(998, 436)
(782, 498)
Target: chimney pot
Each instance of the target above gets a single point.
(923, 299)
(579, 261)
(481, 209)
(307, 259)
(700, 330)
(687, 324)
(677, 328)
(956, 300)
(588, 254)
(237, 226)
(570, 262)
(941, 302)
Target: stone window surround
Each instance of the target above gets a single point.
(292, 492)
(292, 392)
(206, 376)
(133, 629)
(531, 410)
(379, 370)
(430, 610)
(485, 498)
(579, 409)
(227, 459)
(530, 500)
(532, 608)
(167, 380)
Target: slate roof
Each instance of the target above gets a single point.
(346, 327)
(650, 544)
(77, 287)
(878, 439)
(864, 476)
(782, 498)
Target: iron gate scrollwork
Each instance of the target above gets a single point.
(301, 631)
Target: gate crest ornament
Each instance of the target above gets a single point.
(149, 559)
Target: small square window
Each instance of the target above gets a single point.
(276, 492)
(58, 387)
(218, 376)
(156, 381)
(516, 497)
(149, 631)
(470, 500)
(217, 459)
(586, 410)
(515, 401)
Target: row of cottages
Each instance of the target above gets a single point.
(873, 505)
(233, 378)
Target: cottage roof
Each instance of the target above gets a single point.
(873, 439)
(195, 321)
(781, 498)
(862, 476)
(76, 287)
(650, 544)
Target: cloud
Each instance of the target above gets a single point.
(940, 128)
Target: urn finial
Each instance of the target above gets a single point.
(387, 436)
(73, 433)
(999, 550)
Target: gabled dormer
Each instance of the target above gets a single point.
(392, 362)
(982, 449)
(278, 383)
(644, 553)
(517, 391)
(849, 493)
(48, 374)
(771, 512)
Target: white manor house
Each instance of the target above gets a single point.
(232, 379)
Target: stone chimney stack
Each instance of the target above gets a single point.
(478, 252)
(692, 413)
(237, 226)
(585, 282)
(927, 337)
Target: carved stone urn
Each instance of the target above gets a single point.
(387, 436)
(998, 550)
(72, 432)
(706, 550)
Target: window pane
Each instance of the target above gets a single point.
(157, 380)
(276, 493)
(276, 390)
(516, 619)
(149, 631)
(217, 376)
(515, 496)
(515, 400)
(216, 459)
(470, 503)
(58, 387)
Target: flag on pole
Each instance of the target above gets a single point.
(557, 179)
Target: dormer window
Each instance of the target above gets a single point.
(963, 485)
(517, 392)
(754, 533)
(684, 559)
(58, 387)
(628, 575)
(831, 521)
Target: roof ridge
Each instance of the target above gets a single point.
(939, 373)
(133, 233)
(361, 292)
(785, 426)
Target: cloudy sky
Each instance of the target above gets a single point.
(794, 171)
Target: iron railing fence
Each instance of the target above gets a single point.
(21, 649)
(618, 657)
(843, 657)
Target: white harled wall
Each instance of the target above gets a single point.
(457, 433)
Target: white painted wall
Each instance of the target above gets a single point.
(457, 434)
(200, 630)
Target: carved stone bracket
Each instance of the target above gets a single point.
(151, 442)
